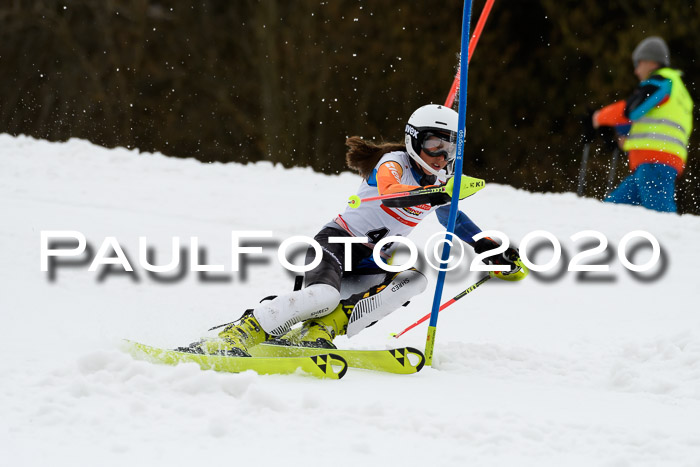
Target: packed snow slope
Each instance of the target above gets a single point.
(599, 369)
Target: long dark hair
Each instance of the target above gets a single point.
(363, 155)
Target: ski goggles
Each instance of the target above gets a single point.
(436, 145)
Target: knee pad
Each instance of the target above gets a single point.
(371, 307)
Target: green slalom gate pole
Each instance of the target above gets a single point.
(463, 71)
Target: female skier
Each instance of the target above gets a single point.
(368, 293)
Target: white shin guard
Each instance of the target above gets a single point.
(401, 289)
(277, 316)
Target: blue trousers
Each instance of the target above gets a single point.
(651, 186)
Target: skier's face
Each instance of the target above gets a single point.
(437, 163)
(437, 149)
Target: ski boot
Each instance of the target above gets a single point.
(320, 332)
(235, 339)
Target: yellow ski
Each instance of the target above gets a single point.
(321, 365)
(405, 360)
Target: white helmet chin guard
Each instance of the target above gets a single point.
(431, 119)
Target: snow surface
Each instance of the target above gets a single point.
(558, 372)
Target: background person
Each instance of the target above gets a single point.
(660, 114)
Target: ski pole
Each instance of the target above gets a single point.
(474, 185)
(354, 201)
(613, 169)
(583, 169)
(472, 45)
(445, 305)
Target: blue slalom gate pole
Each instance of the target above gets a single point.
(454, 207)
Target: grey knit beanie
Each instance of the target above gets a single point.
(652, 48)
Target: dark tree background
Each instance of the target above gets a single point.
(288, 81)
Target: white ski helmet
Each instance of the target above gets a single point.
(432, 120)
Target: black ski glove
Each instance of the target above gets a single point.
(507, 258)
(434, 199)
(589, 134)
